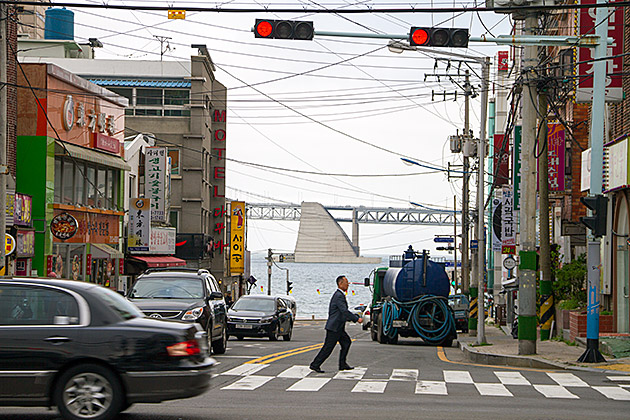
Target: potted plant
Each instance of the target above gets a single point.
(569, 289)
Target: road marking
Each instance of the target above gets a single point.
(374, 387)
(457, 377)
(354, 374)
(619, 378)
(248, 383)
(442, 356)
(295, 372)
(555, 391)
(567, 379)
(613, 392)
(431, 388)
(309, 384)
(493, 390)
(512, 378)
(286, 353)
(235, 357)
(244, 370)
(404, 375)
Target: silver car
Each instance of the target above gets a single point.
(366, 318)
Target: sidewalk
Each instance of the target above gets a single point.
(502, 349)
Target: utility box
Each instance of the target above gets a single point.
(456, 144)
(469, 148)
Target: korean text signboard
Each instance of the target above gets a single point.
(139, 229)
(237, 238)
(155, 181)
(556, 156)
(22, 206)
(217, 197)
(496, 223)
(162, 240)
(501, 162)
(618, 165)
(508, 221)
(586, 22)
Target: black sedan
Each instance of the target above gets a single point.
(260, 316)
(90, 352)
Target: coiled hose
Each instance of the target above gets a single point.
(430, 316)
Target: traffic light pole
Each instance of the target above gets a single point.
(269, 261)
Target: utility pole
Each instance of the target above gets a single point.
(546, 297)
(481, 244)
(455, 243)
(472, 322)
(163, 40)
(527, 320)
(269, 262)
(4, 170)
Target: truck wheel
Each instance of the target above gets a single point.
(393, 340)
(448, 342)
(380, 337)
(373, 331)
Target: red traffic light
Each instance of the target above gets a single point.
(264, 28)
(419, 36)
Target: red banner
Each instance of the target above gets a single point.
(501, 160)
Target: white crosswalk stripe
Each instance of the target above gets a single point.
(555, 391)
(354, 374)
(375, 387)
(245, 369)
(404, 375)
(295, 372)
(249, 383)
(619, 378)
(512, 378)
(494, 390)
(431, 388)
(457, 377)
(613, 392)
(567, 379)
(309, 384)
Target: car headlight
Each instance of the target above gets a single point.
(266, 319)
(193, 314)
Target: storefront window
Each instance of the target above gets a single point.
(58, 180)
(91, 190)
(100, 185)
(79, 183)
(68, 261)
(68, 181)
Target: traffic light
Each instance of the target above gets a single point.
(283, 29)
(289, 286)
(438, 37)
(597, 222)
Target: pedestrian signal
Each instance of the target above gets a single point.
(597, 222)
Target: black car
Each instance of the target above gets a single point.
(260, 316)
(185, 295)
(90, 352)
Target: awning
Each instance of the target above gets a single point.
(151, 83)
(90, 155)
(162, 261)
(105, 251)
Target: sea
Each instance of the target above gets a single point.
(313, 284)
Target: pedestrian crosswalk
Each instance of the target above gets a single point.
(552, 385)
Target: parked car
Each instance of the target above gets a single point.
(460, 304)
(90, 352)
(358, 310)
(186, 295)
(260, 316)
(366, 319)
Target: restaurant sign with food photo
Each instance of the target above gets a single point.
(64, 226)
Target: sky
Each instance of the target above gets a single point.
(332, 106)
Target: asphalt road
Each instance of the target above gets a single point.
(408, 380)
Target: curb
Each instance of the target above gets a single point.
(526, 361)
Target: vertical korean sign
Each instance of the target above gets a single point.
(508, 222)
(139, 229)
(217, 197)
(501, 162)
(614, 66)
(237, 238)
(556, 156)
(155, 181)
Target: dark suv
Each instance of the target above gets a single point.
(185, 295)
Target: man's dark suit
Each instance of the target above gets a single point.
(338, 314)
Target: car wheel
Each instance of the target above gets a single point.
(287, 336)
(219, 346)
(273, 335)
(88, 392)
(364, 326)
(240, 337)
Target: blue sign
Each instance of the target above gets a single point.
(450, 264)
(443, 239)
(474, 244)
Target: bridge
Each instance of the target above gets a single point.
(321, 239)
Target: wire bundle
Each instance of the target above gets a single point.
(430, 316)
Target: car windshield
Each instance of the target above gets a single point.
(120, 305)
(260, 305)
(167, 288)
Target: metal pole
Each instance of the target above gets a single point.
(481, 152)
(455, 242)
(467, 287)
(527, 320)
(3, 131)
(269, 257)
(592, 354)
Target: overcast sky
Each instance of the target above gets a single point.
(301, 117)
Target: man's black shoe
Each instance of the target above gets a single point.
(316, 369)
(346, 367)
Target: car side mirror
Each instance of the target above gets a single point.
(366, 282)
(216, 295)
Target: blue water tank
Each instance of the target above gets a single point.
(59, 24)
(407, 283)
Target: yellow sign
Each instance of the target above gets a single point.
(177, 14)
(9, 244)
(237, 238)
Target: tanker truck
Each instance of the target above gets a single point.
(410, 299)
